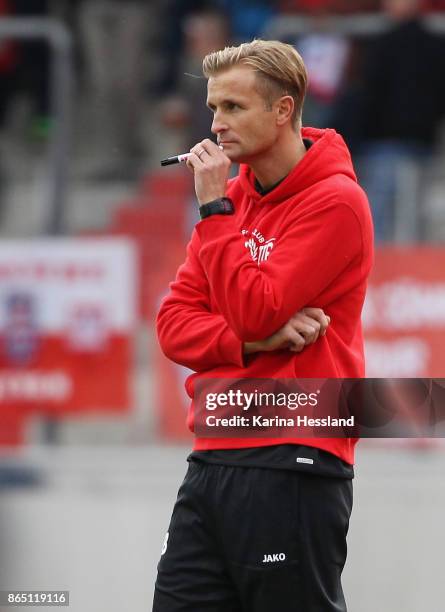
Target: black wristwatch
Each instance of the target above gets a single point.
(220, 206)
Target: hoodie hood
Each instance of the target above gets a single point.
(327, 157)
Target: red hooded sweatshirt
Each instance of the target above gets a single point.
(308, 242)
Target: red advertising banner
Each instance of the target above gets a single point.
(67, 317)
(404, 315)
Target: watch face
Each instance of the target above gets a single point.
(227, 204)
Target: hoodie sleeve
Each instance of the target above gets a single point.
(258, 299)
(189, 333)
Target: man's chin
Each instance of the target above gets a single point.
(231, 151)
(238, 156)
(234, 156)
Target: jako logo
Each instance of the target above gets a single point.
(274, 558)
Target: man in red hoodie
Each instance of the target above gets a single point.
(272, 287)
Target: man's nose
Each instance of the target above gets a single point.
(218, 125)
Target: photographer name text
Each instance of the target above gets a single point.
(260, 421)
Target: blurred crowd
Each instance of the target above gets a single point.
(382, 90)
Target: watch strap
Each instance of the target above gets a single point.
(220, 206)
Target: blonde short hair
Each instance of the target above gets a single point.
(279, 66)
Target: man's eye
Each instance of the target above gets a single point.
(232, 106)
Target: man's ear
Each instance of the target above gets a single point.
(284, 109)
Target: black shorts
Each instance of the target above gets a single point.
(247, 539)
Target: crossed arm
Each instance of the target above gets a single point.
(192, 335)
(303, 328)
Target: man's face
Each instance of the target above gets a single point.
(241, 119)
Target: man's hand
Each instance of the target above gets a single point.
(304, 328)
(211, 169)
